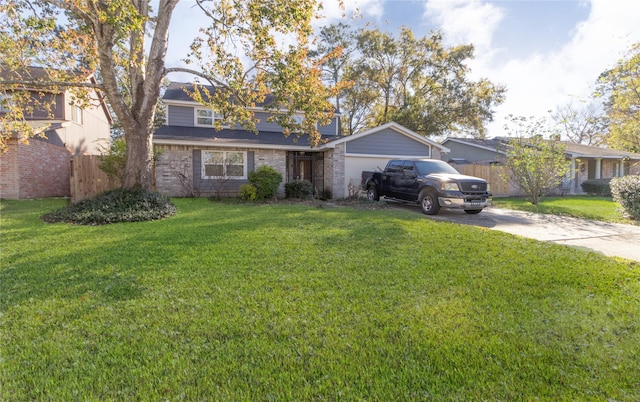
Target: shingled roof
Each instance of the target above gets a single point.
(226, 137)
(176, 92)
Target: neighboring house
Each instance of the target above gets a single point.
(588, 162)
(195, 159)
(42, 168)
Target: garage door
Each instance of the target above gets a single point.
(353, 167)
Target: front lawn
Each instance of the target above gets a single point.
(291, 302)
(582, 206)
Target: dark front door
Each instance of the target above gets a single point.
(307, 166)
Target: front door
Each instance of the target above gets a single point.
(307, 166)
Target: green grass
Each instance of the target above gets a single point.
(587, 207)
(291, 302)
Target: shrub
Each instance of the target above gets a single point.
(112, 160)
(115, 206)
(266, 180)
(248, 192)
(599, 187)
(626, 192)
(298, 189)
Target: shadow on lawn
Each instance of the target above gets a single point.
(111, 263)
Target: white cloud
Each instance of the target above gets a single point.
(465, 21)
(542, 81)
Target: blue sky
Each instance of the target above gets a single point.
(547, 53)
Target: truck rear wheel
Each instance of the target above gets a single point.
(429, 202)
(372, 194)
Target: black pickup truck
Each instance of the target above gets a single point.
(433, 184)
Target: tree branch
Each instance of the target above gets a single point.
(10, 84)
(213, 81)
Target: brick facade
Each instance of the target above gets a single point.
(175, 178)
(35, 170)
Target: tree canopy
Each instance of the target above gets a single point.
(417, 82)
(535, 158)
(122, 46)
(620, 88)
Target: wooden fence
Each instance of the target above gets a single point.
(87, 180)
(495, 175)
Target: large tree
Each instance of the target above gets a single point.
(251, 49)
(620, 87)
(417, 82)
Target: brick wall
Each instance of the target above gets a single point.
(337, 172)
(277, 159)
(9, 175)
(173, 161)
(35, 170)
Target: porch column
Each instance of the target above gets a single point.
(598, 168)
(621, 168)
(572, 176)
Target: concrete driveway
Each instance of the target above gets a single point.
(611, 239)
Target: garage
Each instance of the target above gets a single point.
(372, 149)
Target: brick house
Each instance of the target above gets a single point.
(195, 159)
(41, 167)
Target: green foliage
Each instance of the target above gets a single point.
(112, 160)
(248, 192)
(417, 82)
(298, 189)
(115, 206)
(620, 88)
(599, 187)
(230, 302)
(626, 192)
(266, 180)
(536, 164)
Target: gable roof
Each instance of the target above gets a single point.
(499, 144)
(393, 126)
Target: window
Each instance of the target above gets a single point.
(227, 164)
(76, 114)
(206, 117)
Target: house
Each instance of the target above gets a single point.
(588, 162)
(195, 159)
(41, 167)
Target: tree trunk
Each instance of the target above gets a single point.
(138, 169)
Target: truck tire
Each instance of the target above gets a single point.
(372, 193)
(429, 202)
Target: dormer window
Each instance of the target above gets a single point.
(206, 117)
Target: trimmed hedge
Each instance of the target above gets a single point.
(115, 206)
(626, 192)
(601, 187)
(298, 189)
